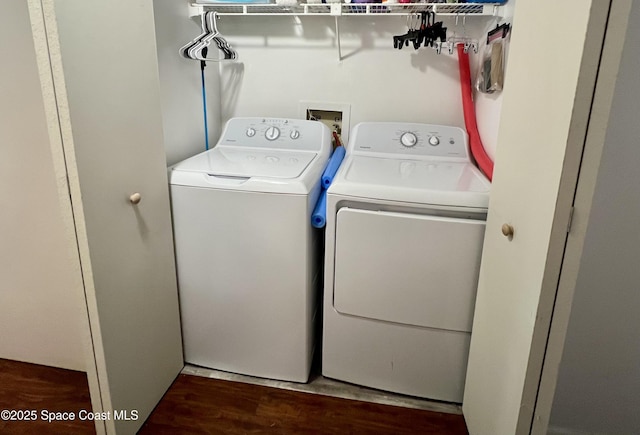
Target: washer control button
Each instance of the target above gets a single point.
(251, 132)
(406, 168)
(295, 134)
(272, 159)
(433, 140)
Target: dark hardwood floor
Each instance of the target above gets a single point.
(29, 387)
(197, 405)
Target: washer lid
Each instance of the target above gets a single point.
(248, 162)
(420, 181)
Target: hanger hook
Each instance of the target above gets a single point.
(212, 17)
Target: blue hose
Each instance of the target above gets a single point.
(204, 104)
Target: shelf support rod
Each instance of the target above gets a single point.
(338, 38)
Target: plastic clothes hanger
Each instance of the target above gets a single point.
(466, 42)
(196, 51)
(411, 35)
(184, 51)
(425, 29)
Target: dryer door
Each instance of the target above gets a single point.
(407, 268)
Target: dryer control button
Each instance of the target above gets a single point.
(272, 159)
(433, 140)
(251, 131)
(295, 134)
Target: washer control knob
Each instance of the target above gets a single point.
(408, 139)
(433, 140)
(272, 133)
(251, 131)
(295, 134)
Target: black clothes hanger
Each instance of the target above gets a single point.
(412, 34)
(500, 31)
(425, 33)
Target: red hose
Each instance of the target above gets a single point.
(477, 149)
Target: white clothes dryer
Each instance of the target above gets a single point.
(247, 257)
(405, 226)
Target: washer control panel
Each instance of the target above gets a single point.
(409, 139)
(280, 133)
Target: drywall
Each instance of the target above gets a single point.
(599, 375)
(180, 83)
(41, 300)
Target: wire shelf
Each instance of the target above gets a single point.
(356, 9)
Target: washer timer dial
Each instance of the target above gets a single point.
(408, 139)
(272, 133)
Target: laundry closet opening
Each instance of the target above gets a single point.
(391, 72)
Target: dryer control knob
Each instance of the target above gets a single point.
(295, 134)
(251, 131)
(408, 139)
(272, 133)
(433, 140)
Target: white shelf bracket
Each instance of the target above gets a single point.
(195, 10)
(336, 9)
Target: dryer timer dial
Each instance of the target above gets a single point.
(408, 139)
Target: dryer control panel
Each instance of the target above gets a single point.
(276, 133)
(409, 139)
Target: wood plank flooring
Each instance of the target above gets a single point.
(34, 387)
(198, 405)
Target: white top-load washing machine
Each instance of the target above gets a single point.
(405, 225)
(247, 256)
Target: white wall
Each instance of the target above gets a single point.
(488, 106)
(283, 60)
(40, 289)
(598, 388)
(180, 83)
